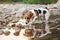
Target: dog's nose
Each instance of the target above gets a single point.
(26, 23)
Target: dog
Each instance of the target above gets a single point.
(30, 17)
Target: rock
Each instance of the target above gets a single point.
(16, 33)
(28, 32)
(1, 32)
(7, 33)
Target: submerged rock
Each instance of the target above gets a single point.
(1, 32)
(7, 33)
(16, 33)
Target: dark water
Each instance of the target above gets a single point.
(55, 32)
(54, 24)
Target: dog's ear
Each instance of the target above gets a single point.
(25, 12)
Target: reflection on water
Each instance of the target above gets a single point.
(45, 29)
(54, 32)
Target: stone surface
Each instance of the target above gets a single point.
(6, 33)
(1, 32)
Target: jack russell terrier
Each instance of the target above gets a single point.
(30, 17)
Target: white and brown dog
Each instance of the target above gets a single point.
(30, 17)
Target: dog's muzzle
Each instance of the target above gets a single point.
(23, 22)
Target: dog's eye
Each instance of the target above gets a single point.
(27, 18)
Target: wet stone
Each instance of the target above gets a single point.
(1, 32)
(7, 33)
(16, 33)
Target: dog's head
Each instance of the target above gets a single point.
(27, 15)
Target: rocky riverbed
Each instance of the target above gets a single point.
(12, 13)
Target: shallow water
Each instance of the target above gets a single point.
(52, 25)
